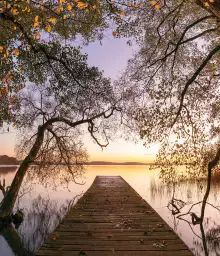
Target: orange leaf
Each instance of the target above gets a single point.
(36, 24)
(16, 52)
(82, 5)
(69, 7)
(14, 11)
(153, 2)
(59, 9)
(53, 20)
(4, 80)
(48, 28)
(11, 100)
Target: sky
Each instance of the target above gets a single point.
(111, 57)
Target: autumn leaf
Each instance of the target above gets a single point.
(114, 33)
(36, 24)
(153, 2)
(48, 28)
(4, 80)
(59, 9)
(69, 7)
(11, 100)
(82, 5)
(53, 20)
(1, 49)
(14, 11)
(16, 52)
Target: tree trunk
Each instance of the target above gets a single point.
(213, 8)
(9, 200)
(14, 241)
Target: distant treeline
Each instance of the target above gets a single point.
(7, 160)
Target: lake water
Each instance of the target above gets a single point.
(44, 206)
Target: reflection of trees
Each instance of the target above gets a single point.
(213, 239)
(14, 241)
(43, 216)
(8, 169)
(212, 236)
(176, 206)
(206, 231)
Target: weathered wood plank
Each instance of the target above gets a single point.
(112, 219)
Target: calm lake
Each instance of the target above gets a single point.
(44, 206)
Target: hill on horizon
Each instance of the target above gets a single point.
(8, 160)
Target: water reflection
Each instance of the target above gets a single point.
(206, 232)
(7, 169)
(44, 208)
(40, 220)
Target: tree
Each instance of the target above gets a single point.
(175, 73)
(27, 30)
(73, 95)
(175, 77)
(34, 51)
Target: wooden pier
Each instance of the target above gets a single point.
(111, 219)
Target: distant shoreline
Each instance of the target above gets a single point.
(90, 163)
(6, 160)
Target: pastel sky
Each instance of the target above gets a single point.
(111, 57)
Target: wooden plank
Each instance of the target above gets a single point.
(112, 219)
